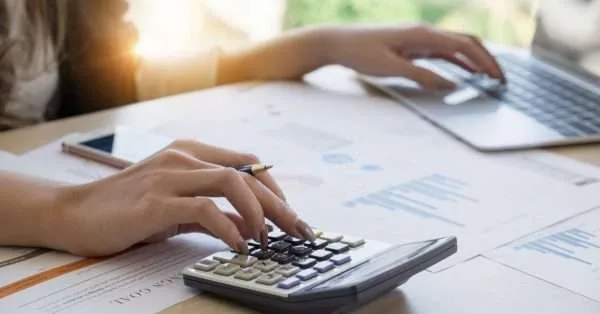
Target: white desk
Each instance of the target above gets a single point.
(476, 286)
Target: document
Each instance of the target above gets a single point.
(143, 280)
(344, 176)
(566, 254)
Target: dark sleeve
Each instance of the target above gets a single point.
(97, 64)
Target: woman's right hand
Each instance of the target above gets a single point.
(168, 194)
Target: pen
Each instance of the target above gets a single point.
(253, 169)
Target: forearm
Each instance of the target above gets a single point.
(27, 206)
(289, 56)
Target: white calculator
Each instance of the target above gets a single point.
(334, 273)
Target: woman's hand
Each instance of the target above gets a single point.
(168, 194)
(390, 51)
(372, 50)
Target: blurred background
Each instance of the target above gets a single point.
(173, 26)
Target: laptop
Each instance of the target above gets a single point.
(552, 96)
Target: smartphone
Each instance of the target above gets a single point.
(118, 148)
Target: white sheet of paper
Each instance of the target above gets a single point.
(343, 176)
(146, 279)
(480, 286)
(566, 254)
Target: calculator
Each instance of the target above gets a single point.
(335, 273)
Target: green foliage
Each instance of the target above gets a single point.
(475, 16)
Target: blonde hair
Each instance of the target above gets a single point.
(25, 26)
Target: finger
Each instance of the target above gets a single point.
(490, 56)
(227, 158)
(476, 52)
(278, 211)
(465, 64)
(219, 182)
(424, 77)
(204, 212)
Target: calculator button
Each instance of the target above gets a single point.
(338, 248)
(280, 246)
(237, 259)
(324, 267)
(247, 274)
(317, 244)
(283, 258)
(269, 279)
(307, 274)
(227, 269)
(341, 259)
(321, 255)
(293, 241)
(300, 250)
(263, 254)
(289, 283)
(331, 237)
(277, 235)
(253, 244)
(206, 265)
(265, 266)
(287, 270)
(353, 242)
(305, 262)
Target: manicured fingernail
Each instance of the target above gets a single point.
(242, 247)
(264, 239)
(305, 230)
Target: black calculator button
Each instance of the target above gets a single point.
(263, 254)
(269, 279)
(321, 255)
(338, 248)
(293, 241)
(324, 266)
(253, 244)
(277, 235)
(317, 244)
(305, 263)
(283, 258)
(341, 259)
(307, 274)
(300, 250)
(280, 246)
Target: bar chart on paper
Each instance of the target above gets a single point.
(428, 197)
(567, 255)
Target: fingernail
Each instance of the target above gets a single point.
(305, 230)
(264, 239)
(242, 247)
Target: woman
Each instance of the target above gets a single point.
(61, 57)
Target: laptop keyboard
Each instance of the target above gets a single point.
(571, 110)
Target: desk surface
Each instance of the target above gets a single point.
(502, 289)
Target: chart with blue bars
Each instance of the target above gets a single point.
(565, 244)
(423, 197)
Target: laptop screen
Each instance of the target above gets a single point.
(569, 32)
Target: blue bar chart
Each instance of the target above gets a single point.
(567, 254)
(564, 244)
(423, 197)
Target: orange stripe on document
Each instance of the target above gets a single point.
(37, 279)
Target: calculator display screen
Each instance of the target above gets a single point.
(389, 259)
